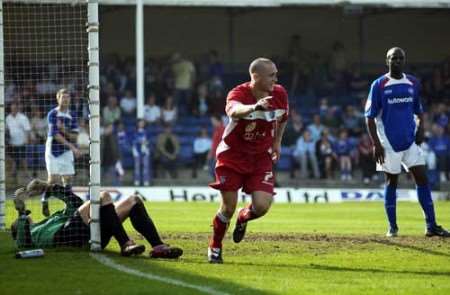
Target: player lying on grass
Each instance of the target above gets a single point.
(70, 226)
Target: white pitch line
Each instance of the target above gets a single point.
(110, 263)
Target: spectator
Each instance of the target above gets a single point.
(169, 112)
(111, 112)
(343, 151)
(446, 80)
(305, 153)
(202, 65)
(152, 112)
(437, 84)
(111, 157)
(46, 86)
(184, 75)
(128, 104)
(10, 91)
(38, 136)
(216, 71)
(19, 128)
(352, 121)
(366, 161)
(298, 59)
(201, 102)
(141, 155)
(83, 139)
(123, 140)
(78, 106)
(27, 93)
(107, 91)
(216, 102)
(294, 129)
(39, 126)
(323, 107)
(218, 129)
(325, 155)
(338, 66)
(439, 143)
(431, 164)
(315, 128)
(427, 120)
(167, 149)
(331, 119)
(202, 146)
(442, 116)
(358, 84)
(320, 81)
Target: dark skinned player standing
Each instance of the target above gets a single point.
(392, 108)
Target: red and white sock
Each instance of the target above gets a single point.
(247, 214)
(220, 225)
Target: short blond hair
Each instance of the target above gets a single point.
(61, 92)
(257, 64)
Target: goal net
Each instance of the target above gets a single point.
(49, 113)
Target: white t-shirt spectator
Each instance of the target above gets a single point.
(152, 113)
(202, 145)
(169, 116)
(83, 140)
(18, 127)
(128, 104)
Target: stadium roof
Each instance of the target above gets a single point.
(281, 3)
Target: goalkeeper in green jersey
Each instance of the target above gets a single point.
(70, 226)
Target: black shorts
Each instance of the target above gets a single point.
(74, 233)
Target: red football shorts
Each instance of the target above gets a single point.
(249, 172)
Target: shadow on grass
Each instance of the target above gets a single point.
(313, 266)
(412, 247)
(144, 267)
(77, 272)
(376, 270)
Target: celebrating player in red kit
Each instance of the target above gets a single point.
(251, 143)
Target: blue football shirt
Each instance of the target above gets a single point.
(70, 125)
(343, 147)
(140, 142)
(393, 103)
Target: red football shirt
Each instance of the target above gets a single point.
(255, 133)
(217, 138)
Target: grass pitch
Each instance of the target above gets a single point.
(295, 249)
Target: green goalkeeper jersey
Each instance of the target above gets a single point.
(43, 232)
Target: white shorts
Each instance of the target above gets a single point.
(413, 156)
(61, 165)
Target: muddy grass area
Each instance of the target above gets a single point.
(324, 238)
(320, 244)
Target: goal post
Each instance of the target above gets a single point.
(94, 107)
(2, 128)
(46, 46)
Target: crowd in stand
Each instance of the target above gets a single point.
(184, 116)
